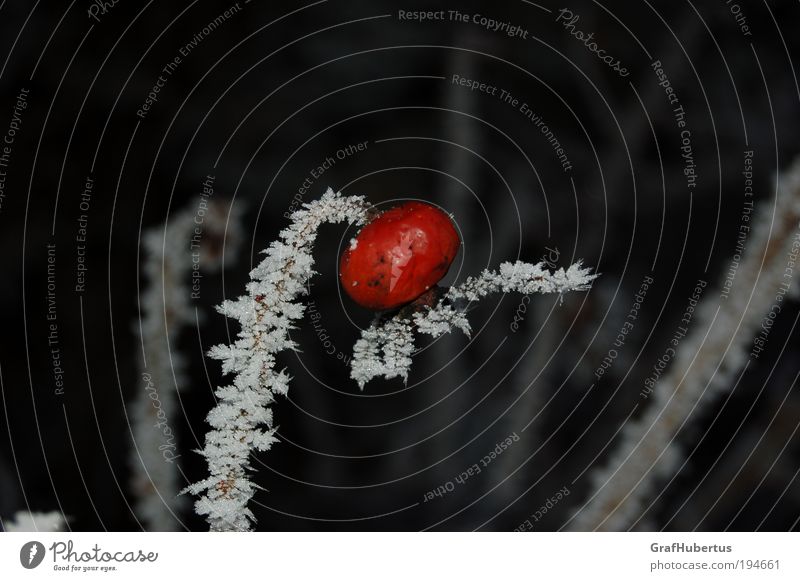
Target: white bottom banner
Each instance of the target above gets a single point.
(355, 556)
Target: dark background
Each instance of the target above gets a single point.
(279, 87)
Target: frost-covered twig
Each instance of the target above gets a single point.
(242, 421)
(705, 364)
(524, 278)
(385, 350)
(174, 254)
(35, 522)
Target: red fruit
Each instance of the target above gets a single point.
(398, 256)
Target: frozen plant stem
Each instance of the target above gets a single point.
(191, 239)
(385, 350)
(705, 366)
(242, 421)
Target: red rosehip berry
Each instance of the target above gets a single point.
(398, 256)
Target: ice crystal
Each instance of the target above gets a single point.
(384, 350)
(192, 239)
(242, 421)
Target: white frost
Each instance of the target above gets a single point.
(36, 522)
(166, 312)
(385, 350)
(242, 421)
